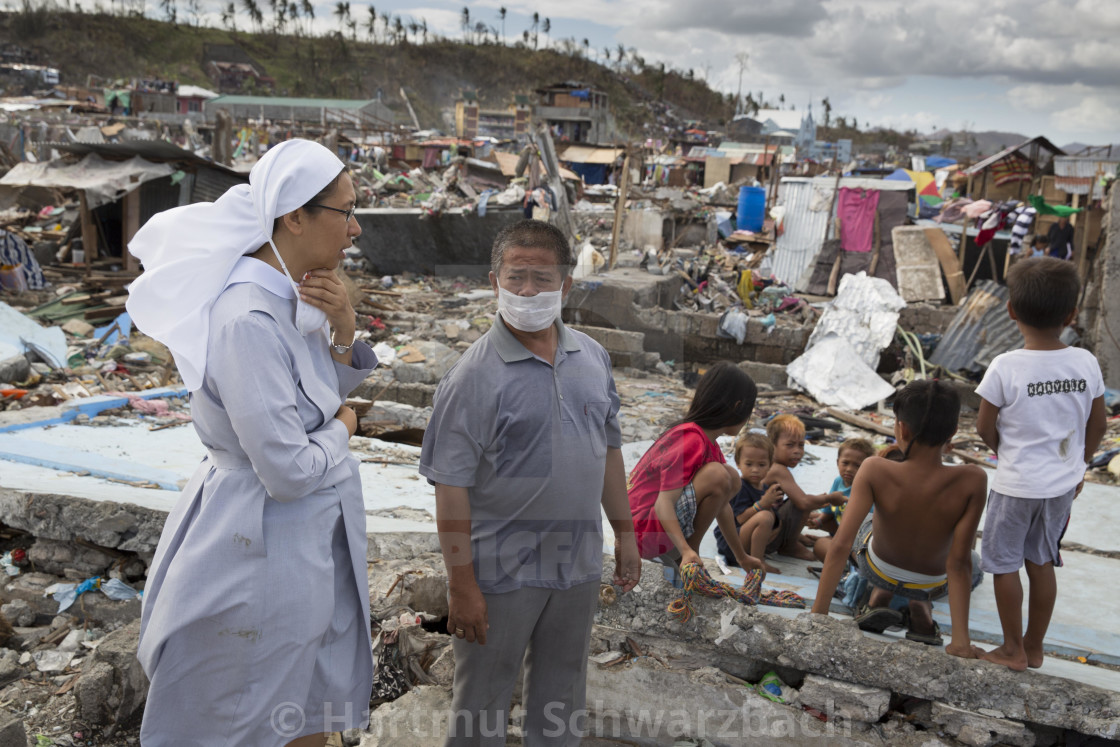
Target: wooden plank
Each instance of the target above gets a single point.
(130, 208)
(89, 229)
(619, 210)
(834, 276)
(950, 265)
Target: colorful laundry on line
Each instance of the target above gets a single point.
(697, 580)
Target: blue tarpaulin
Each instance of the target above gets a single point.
(592, 173)
(938, 162)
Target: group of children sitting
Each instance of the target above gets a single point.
(905, 521)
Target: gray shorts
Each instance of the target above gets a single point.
(686, 510)
(1018, 529)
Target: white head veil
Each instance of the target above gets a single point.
(188, 252)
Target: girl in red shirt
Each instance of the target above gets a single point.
(683, 483)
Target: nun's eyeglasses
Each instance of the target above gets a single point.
(348, 213)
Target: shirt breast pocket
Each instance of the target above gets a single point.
(595, 419)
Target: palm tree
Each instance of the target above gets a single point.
(424, 29)
(229, 17)
(308, 13)
(341, 10)
(398, 29)
(502, 15)
(586, 49)
(465, 23)
(414, 29)
(169, 10)
(827, 110)
(621, 56)
(546, 27)
(371, 24)
(254, 11)
(536, 25)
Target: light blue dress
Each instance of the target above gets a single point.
(255, 627)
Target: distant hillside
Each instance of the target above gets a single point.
(433, 73)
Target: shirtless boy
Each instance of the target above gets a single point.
(787, 433)
(918, 542)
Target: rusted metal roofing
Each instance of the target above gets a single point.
(980, 331)
(1006, 152)
(1082, 175)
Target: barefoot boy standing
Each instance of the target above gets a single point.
(1042, 412)
(918, 542)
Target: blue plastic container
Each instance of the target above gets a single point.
(752, 208)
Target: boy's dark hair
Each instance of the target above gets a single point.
(1043, 291)
(754, 441)
(532, 234)
(724, 396)
(1041, 239)
(930, 410)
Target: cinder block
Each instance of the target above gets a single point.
(845, 699)
(770, 374)
(978, 730)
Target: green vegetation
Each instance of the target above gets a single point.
(367, 53)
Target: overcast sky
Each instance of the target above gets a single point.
(1037, 67)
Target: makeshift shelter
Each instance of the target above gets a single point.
(1009, 174)
(591, 163)
(121, 185)
(812, 252)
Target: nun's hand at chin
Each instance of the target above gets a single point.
(322, 288)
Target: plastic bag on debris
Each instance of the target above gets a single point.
(733, 324)
(19, 333)
(589, 262)
(9, 567)
(833, 372)
(67, 594)
(772, 688)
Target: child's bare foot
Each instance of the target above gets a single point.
(1034, 656)
(797, 550)
(1014, 660)
(770, 569)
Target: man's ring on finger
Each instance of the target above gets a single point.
(460, 632)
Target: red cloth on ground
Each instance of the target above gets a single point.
(856, 210)
(672, 462)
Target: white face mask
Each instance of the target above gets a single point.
(308, 318)
(529, 313)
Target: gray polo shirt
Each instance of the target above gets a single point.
(529, 442)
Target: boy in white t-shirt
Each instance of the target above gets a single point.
(1042, 412)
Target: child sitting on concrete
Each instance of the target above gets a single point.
(918, 542)
(787, 433)
(849, 457)
(755, 505)
(682, 483)
(1042, 411)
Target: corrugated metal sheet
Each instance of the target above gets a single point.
(979, 332)
(1080, 175)
(210, 184)
(976, 168)
(803, 228)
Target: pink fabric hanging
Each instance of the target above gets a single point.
(856, 210)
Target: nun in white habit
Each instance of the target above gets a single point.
(255, 626)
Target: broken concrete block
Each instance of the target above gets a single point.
(771, 374)
(845, 699)
(420, 584)
(16, 368)
(127, 527)
(69, 559)
(113, 688)
(437, 359)
(12, 732)
(78, 328)
(418, 719)
(384, 416)
(10, 669)
(614, 340)
(978, 730)
(18, 612)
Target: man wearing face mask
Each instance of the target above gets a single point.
(523, 448)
